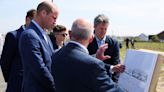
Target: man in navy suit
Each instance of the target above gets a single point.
(36, 50)
(74, 70)
(101, 23)
(10, 61)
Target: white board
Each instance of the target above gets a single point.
(139, 71)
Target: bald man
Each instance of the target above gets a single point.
(77, 71)
(36, 50)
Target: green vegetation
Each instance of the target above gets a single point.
(150, 45)
(155, 38)
(157, 46)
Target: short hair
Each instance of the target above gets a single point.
(59, 28)
(101, 18)
(80, 31)
(44, 6)
(31, 13)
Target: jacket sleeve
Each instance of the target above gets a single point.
(101, 81)
(7, 55)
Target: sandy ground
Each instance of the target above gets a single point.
(2, 83)
(160, 85)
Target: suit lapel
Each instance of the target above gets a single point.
(46, 45)
(50, 43)
(108, 41)
(95, 44)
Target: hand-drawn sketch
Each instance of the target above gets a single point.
(139, 70)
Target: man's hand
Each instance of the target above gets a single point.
(100, 52)
(119, 68)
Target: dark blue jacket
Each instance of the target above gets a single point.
(36, 57)
(112, 50)
(76, 71)
(11, 63)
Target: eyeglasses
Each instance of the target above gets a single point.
(64, 34)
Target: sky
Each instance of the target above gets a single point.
(127, 17)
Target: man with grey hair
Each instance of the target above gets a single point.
(74, 70)
(101, 23)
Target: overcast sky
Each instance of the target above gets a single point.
(127, 17)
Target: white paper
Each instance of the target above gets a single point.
(139, 70)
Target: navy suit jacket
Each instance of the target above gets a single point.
(36, 56)
(79, 72)
(11, 63)
(112, 50)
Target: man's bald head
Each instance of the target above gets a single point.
(81, 30)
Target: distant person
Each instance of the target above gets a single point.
(58, 36)
(74, 70)
(132, 43)
(127, 43)
(36, 50)
(10, 61)
(101, 23)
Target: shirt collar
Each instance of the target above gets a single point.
(97, 39)
(37, 25)
(85, 49)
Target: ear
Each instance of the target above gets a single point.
(91, 39)
(28, 20)
(43, 13)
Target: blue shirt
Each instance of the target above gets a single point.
(100, 42)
